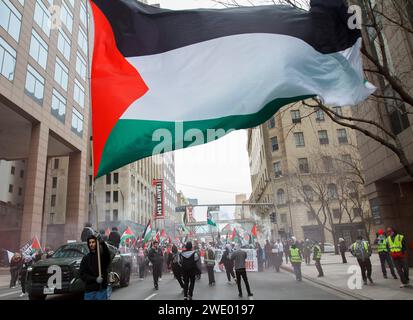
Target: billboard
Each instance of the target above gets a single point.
(159, 198)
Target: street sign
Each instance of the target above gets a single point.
(159, 198)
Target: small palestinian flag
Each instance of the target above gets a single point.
(253, 234)
(127, 236)
(36, 244)
(147, 233)
(211, 70)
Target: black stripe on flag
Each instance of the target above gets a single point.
(145, 30)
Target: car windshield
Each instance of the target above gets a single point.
(71, 251)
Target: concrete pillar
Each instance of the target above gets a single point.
(76, 211)
(35, 182)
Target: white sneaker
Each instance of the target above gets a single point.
(160, 279)
(22, 295)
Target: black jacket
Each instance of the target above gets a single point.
(155, 256)
(114, 238)
(89, 269)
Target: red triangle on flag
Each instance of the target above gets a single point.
(128, 231)
(163, 233)
(107, 232)
(36, 244)
(254, 231)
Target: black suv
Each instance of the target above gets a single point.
(68, 258)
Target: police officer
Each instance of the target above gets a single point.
(296, 258)
(384, 255)
(317, 259)
(362, 251)
(398, 251)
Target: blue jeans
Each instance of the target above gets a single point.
(97, 295)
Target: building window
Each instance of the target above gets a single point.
(108, 178)
(56, 163)
(274, 144)
(280, 197)
(66, 17)
(10, 19)
(63, 44)
(299, 139)
(115, 178)
(7, 60)
(323, 137)
(303, 165)
(319, 115)
(271, 123)
(81, 66)
(396, 110)
(115, 215)
(53, 200)
(82, 41)
(38, 49)
(283, 218)
(332, 191)
(338, 111)
(12, 170)
(58, 106)
(342, 136)
(90, 180)
(295, 116)
(10, 188)
(308, 193)
(277, 169)
(357, 212)
(107, 196)
(83, 14)
(54, 182)
(77, 122)
(20, 191)
(336, 213)
(34, 84)
(61, 74)
(52, 214)
(107, 215)
(42, 17)
(79, 94)
(311, 215)
(22, 174)
(327, 163)
(115, 196)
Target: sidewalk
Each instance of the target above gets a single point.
(337, 274)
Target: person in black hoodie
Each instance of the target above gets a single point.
(114, 237)
(155, 257)
(228, 263)
(95, 286)
(173, 263)
(188, 261)
(86, 232)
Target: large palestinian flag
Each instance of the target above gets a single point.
(157, 73)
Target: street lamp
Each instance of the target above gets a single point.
(123, 203)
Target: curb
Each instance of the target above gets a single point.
(321, 283)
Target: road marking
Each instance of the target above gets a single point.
(151, 296)
(9, 294)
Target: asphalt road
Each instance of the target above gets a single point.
(265, 286)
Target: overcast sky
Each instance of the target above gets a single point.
(214, 172)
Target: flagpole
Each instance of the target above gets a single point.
(94, 202)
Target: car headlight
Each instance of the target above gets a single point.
(76, 265)
(29, 269)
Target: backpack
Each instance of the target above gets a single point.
(188, 264)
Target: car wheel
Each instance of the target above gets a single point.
(126, 276)
(37, 297)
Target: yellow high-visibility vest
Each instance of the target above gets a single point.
(396, 244)
(295, 255)
(382, 247)
(318, 254)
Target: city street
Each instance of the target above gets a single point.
(265, 286)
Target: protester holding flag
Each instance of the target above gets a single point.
(86, 232)
(156, 258)
(94, 276)
(27, 262)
